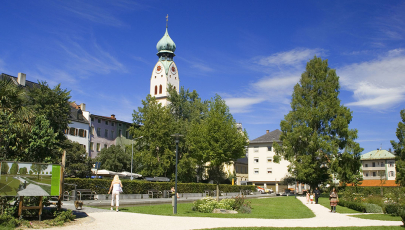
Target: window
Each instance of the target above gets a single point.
(92, 119)
(160, 89)
(268, 148)
(98, 147)
(256, 160)
(269, 159)
(98, 132)
(99, 120)
(112, 134)
(382, 164)
(112, 123)
(105, 145)
(82, 133)
(119, 124)
(91, 146)
(391, 173)
(106, 122)
(374, 174)
(155, 89)
(256, 149)
(92, 130)
(72, 131)
(366, 165)
(120, 133)
(373, 164)
(256, 171)
(126, 134)
(174, 88)
(391, 164)
(269, 170)
(106, 133)
(366, 174)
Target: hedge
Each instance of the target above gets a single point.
(372, 190)
(101, 186)
(358, 206)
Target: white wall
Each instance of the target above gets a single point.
(160, 78)
(81, 140)
(279, 170)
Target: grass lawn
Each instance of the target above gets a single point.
(265, 208)
(339, 209)
(324, 228)
(378, 217)
(9, 186)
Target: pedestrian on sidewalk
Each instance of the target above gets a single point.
(317, 194)
(334, 199)
(307, 195)
(116, 187)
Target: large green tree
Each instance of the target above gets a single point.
(154, 153)
(187, 107)
(216, 140)
(399, 149)
(77, 162)
(114, 158)
(315, 137)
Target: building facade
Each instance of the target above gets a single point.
(107, 131)
(79, 126)
(261, 167)
(378, 165)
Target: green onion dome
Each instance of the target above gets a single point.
(166, 44)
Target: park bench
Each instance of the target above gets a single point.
(153, 192)
(167, 193)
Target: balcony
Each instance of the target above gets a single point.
(373, 178)
(370, 168)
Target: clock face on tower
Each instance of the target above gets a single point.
(159, 69)
(173, 70)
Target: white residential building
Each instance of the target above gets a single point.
(261, 167)
(79, 126)
(378, 164)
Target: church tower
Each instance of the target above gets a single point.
(165, 71)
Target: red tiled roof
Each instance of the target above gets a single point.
(376, 183)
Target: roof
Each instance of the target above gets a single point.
(109, 118)
(166, 44)
(28, 84)
(377, 154)
(268, 137)
(76, 114)
(376, 183)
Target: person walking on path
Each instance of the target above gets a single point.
(116, 187)
(317, 195)
(334, 199)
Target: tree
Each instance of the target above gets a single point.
(216, 140)
(4, 168)
(186, 107)
(22, 171)
(155, 153)
(114, 158)
(399, 150)
(316, 130)
(14, 169)
(38, 168)
(77, 162)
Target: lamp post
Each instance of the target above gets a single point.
(176, 135)
(132, 156)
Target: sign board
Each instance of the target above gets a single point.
(29, 179)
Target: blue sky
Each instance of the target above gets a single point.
(251, 53)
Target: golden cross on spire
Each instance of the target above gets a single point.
(167, 19)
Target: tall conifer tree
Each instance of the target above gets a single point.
(315, 133)
(399, 148)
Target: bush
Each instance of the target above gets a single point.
(205, 205)
(101, 186)
(227, 204)
(9, 221)
(391, 208)
(61, 218)
(245, 209)
(358, 206)
(373, 208)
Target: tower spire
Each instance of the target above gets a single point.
(167, 19)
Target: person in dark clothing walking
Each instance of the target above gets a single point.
(317, 195)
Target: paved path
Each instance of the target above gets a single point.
(105, 219)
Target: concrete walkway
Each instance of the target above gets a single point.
(104, 219)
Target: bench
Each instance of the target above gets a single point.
(153, 192)
(167, 193)
(79, 193)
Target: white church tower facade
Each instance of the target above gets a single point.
(165, 72)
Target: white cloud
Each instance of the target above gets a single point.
(292, 57)
(376, 84)
(241, 105)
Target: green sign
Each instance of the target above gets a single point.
(29, 179)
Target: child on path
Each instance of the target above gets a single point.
(312, 198)
(307, 195)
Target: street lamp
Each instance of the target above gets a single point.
(132, 156)
(176, 135)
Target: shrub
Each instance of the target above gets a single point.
(226, 204)
(358, 206)
(245, 209)
(208, 204)
(9, 221)
(391, 208)
(373, 208)
(61, 218)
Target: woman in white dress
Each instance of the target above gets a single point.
(116, 187)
